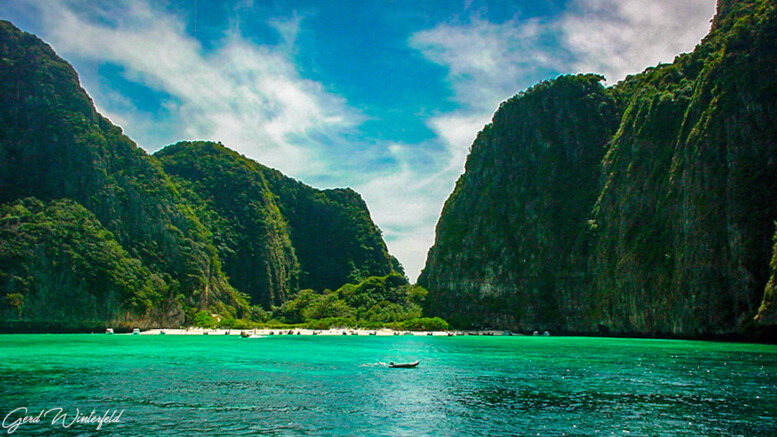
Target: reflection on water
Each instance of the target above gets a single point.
(340, 386)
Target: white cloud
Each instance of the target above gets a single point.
(406, 201)
(621, 37)
(248, 96)
(457, 131)
(487, 61)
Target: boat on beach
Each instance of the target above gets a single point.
(404, 365)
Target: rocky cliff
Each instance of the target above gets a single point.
(661, 226)
(513, 241)
(275, 234)
(88, 218)
(53, 145)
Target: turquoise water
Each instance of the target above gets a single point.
(296, 385)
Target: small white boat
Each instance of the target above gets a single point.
(136, 331)
(109, 331)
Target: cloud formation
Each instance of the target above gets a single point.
(620, 37)
(247, 96)
(486, 61)
(489, 62)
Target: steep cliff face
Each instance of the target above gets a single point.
(334, 236)
(767, 313)
(145, 248)
(680, 227)
(237, 206)
(513, 241)
(686, 214)
(276, 234)
(62, 269)
(54, 145)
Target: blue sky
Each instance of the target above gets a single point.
(384, 96)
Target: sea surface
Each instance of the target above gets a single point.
(300, 385)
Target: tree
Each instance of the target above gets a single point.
(16, 301)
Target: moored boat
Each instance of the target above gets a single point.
(404, 365)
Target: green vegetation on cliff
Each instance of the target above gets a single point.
(53, 144)
(220, 229)
(663, 226)
(333, 235)
(235, 203)
(687, 207)
(767, 313)
(276, 234)
(513, 240)
(60, 265)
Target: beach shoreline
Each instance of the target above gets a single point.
(266, 332)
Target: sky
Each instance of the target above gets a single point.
(383, 96)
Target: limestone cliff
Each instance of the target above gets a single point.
(94, 232)
(513, 241)
(53, 145)
(276, 235)
(680, 215)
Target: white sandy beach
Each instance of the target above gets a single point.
(298, 331)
